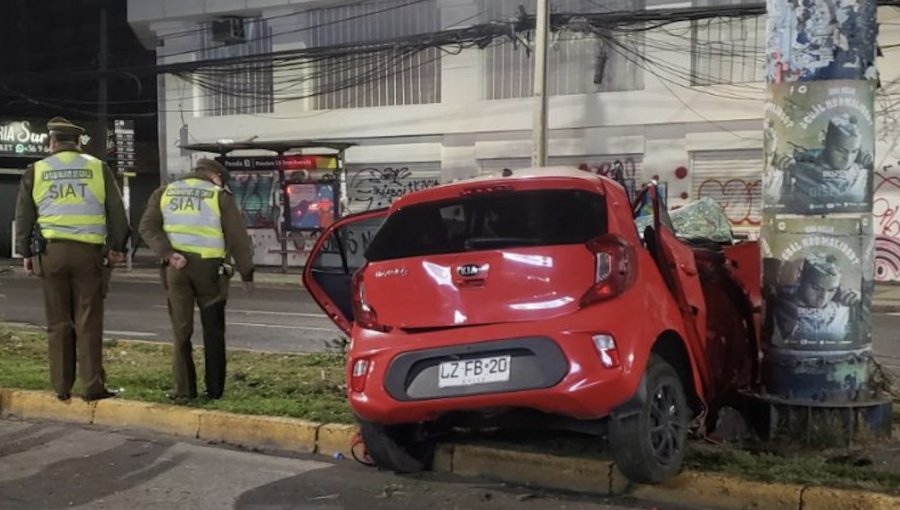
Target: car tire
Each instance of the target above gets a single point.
(395, 447)
(649, 446)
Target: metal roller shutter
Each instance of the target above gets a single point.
(732, 178)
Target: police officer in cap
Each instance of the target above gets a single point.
(195, 227)
(70, 219)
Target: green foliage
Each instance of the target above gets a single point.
(860, 468)
(309, 386)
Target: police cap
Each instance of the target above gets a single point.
(63, 126)
(211, 165)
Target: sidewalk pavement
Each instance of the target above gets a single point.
(573, 474)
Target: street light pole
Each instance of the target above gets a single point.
(539, 139)
(816, 238)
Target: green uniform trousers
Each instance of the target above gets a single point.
(199, 282)
(72, 274)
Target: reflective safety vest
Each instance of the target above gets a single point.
(70, 194)
(192, 219)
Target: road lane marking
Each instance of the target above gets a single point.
(258, 325)
(128, 333)
(266, 312)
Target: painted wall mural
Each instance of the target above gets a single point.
(886, 213)
(739, 197)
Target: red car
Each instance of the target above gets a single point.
(532, 299)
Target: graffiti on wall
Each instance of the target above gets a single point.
(886, 213)
(256, 196)
(740, 198)
(372, 187)
(624, 168)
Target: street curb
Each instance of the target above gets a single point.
(334, 438)
(41, 404)
(584, 475)
(252, 431)
(179, 421)
(575, 474)
(690, 488)
(724, 491)
(823, 498)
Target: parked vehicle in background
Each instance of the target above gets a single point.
(532, 298)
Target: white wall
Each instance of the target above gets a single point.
(664, 122)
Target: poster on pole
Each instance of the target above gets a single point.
(818, 280)
(819, 140)
(821, 40)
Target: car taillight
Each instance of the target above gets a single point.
(615, 265)
(363, 314)
(359, 375)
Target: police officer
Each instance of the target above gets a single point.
(69, 218)
(195, 226)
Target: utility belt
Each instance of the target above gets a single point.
(38, 241)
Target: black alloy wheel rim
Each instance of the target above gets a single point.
(665, 424)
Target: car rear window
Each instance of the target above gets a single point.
(514, 219)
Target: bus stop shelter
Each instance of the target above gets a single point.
(305, 185)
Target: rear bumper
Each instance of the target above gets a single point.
(556, 373)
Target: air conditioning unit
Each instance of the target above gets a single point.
(229, 30)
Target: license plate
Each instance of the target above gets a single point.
(474, 371)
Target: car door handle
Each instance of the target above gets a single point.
(690, 271)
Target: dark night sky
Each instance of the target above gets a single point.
(49, 51)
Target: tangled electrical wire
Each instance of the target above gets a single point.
(257, 80)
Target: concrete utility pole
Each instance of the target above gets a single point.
(539, 139)
(817, 240)
(102, 86)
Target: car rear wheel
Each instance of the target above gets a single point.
(649, 446)
(396, 447)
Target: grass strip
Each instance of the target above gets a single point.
(308, 386)
(857, 468)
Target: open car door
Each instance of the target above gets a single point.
(678, 267)
(338, 253)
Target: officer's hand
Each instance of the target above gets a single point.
(848, 297)
(177, 260)
(248, 286)
(29, 266)
(115, 257)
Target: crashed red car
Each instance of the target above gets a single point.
(532, 299)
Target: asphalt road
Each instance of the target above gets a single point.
(56, 466)
(271, 318)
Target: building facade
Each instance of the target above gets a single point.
(682, 104)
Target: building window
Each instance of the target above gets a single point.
(726, 51)
(577, 62)
(387, 79)
(241, 88)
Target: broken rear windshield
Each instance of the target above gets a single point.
(516, 219)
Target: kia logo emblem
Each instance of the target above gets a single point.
(468, 270)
